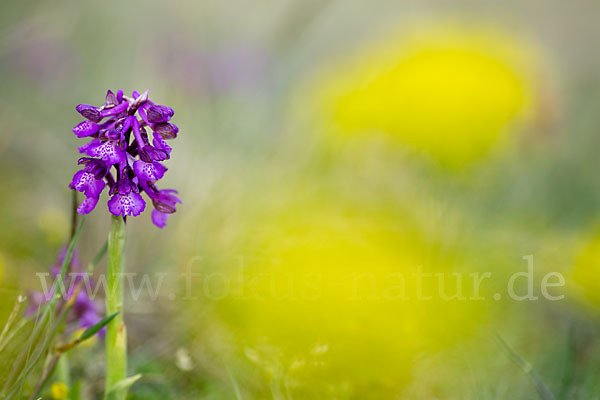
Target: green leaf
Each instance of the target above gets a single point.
(75, 392)
(92, 330)
(122, 386)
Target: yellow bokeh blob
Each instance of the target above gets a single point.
(587, 269)
(330, 287)
(59, 391)
(452, 92)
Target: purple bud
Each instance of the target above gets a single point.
(90, 112)
(85, 128)
(139, 101)
(166, 129)
(164, 200)
(158, 114)
(153, 154)
(163, 207)
(111, 98)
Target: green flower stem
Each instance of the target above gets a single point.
(63, 371)
(116, 334)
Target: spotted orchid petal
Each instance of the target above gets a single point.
(87, 183)
(85, 129)
(126, 204)
(149, 171)
(109, 151)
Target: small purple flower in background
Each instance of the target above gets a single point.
(121, 140)
(84, 312)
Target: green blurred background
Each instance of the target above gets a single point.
(320, 140)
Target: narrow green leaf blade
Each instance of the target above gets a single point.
(122, 386)
(92, 330)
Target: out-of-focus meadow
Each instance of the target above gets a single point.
(328, 151)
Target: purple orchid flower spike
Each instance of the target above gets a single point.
(124, 157)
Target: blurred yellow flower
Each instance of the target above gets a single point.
(325, 287)
(587, 270)
(449, 91)
(59, 391)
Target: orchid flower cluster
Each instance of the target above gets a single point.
(121, 140)
(85, 312)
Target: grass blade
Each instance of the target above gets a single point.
(543, 390)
